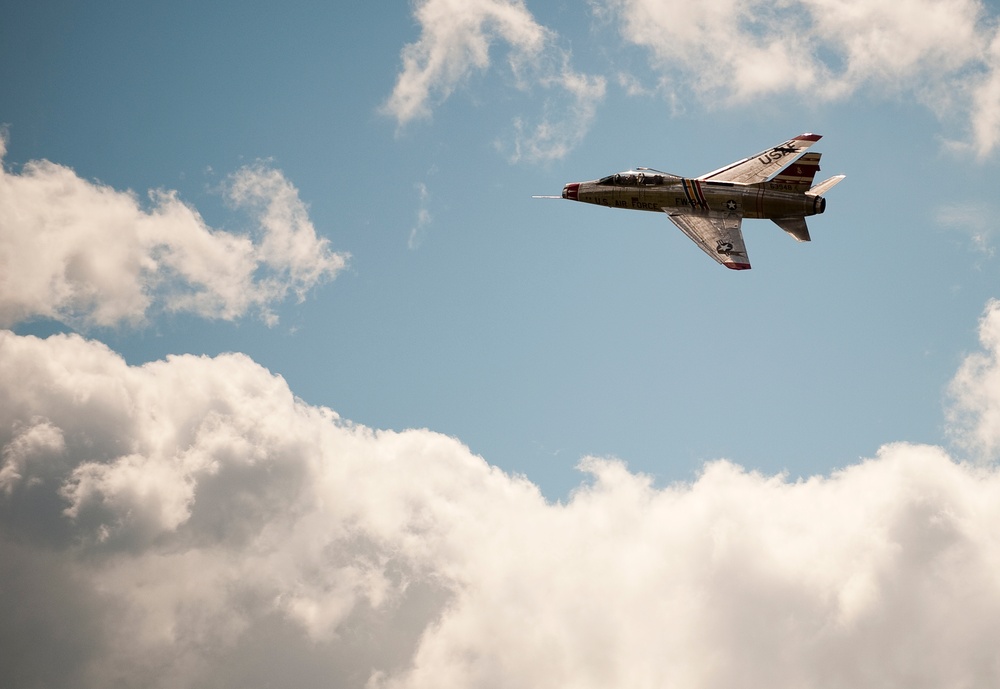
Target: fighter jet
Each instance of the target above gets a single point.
(776, 184)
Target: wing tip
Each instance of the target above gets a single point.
(737, 266)
(808, 136)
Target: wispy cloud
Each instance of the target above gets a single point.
(419, 228)
(455, 42)
(161, 524)
(566, 118)
(90, 255)
(975, 220)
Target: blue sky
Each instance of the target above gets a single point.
(535, 332)
(394, 153)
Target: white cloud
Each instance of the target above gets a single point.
(566, 119)
(985, 96)
(455, 41)
(419, 228)
(190, 522)
(972, 219)
(34, 441)
(974, 414)
(90, 255)
(719, 45)
(943, 52)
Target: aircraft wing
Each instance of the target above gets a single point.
(718, 235)
(765, 164)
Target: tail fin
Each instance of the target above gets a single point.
(799, 175)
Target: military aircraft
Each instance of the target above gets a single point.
(776, 184)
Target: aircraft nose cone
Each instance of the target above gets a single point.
(571, 191)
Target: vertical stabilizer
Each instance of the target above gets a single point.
(799, 175)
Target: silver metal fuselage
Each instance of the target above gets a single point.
(652, 191)
(775, 184)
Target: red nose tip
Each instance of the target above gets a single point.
(571, 191)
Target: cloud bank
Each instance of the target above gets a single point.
(190, 522)
(84, 253)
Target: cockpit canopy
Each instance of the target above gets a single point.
(643, 177)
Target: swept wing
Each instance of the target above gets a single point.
(718, 235)
(762, 166)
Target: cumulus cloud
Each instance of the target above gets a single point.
(189, 522)
(90, 255)
(945, 53)
(974, 413)
(455, 41)
(730, 49)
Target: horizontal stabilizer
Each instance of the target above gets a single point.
(794, 226)
(826, 186)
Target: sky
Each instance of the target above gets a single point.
(300, 387)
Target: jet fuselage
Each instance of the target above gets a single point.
(653, 191)
(775, 184)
